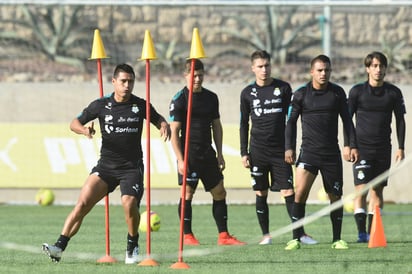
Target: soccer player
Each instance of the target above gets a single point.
(265, 103)
(373, 102)
(120, 116)
(204, 162)
(319, 103)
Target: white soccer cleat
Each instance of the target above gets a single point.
(267, 240)
(307, 240)
(132, 257)
(54, 252)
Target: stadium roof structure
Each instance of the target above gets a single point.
(214, 2)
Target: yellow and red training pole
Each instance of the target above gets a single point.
(148, 53)
(97, 54)
(196, 52)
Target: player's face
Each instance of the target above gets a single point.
(261, 68)
(197, 80)
(123, 86)
(376, 71)
(320, 73)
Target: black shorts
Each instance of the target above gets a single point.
(370, 166)
(129, 180)
(330, 167)
(269, 170)
(202, 165)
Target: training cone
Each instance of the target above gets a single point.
(98, 51)
(148, 50)
(377, 236)
(196, 49)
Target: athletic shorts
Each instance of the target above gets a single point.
(330, 167)
(270, 171)
(129, 180)
(202, 165)
(371, 166)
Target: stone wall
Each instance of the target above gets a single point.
(355, 30)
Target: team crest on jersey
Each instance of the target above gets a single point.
(361, 175)
(276, 92)
(135, 108)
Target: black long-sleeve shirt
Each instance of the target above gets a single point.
(319, 111)
(373, 108)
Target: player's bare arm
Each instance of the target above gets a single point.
(78, 128)
(175, 128)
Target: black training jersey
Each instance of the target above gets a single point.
(205, 109)
(266, 107)
(373, 108)
(319, 111)
(121, 128)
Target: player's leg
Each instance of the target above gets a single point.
(131, 190)
(93, 190)
(219, 211)
(332, 176)
(191, 185)
(259, 171)
(362, 175)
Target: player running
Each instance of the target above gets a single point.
(120, 116)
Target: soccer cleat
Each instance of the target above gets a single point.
(227, 239)
(267, 240)
(307, 240)
(54, 252)
(190, 239)
(340, 244)
(132, 256)
(293, 245)
(363, 237)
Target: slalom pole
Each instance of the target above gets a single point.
(97, 54)
(148, 53)
(196, 52)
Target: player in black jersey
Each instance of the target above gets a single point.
(319, 103)
(120, 116)
(373, 103)
(265, 103)
(203, 163)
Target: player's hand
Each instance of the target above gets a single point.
(290, 156)
(245, 161)
(90, 130)
(354, 155)
(221, 162)
(400, 155)
(165, 132)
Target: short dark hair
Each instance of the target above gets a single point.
(377, 55)
(123, 68)
(320, 58)
(198, 65)
(260, 54)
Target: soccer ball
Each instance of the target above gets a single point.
(154, 221)
(45, 197)
(348, 207)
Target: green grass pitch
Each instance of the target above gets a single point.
(24, 228)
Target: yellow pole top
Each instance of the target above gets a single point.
(148, 50)
(196, 49)
(97, 48)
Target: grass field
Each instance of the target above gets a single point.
(24, 228)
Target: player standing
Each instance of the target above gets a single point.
(319, 103)
(373, 103)
(265, 103)
(204, 162)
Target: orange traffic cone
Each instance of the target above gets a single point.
(377, 236)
